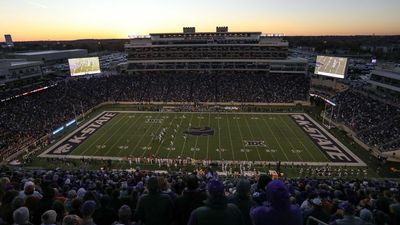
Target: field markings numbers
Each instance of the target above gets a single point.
(269, 149)
(276, 139)
(241, 137)
(252, 136)
(196, 149)
(189, 125)
(145, 134)
(99, 138)
(287, 139)
(230, 136)
(119, 138)
(208, 137)
(299, 140)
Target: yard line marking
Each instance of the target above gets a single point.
(184, 142)
(252, 136)
(298, 139)
(261, 132)
(151, 126)
(99, 138)
(241, 137)
(230, 137)
(287, 140)
(208, 137)
(173, 140)
(120, 136)
(197, 139)
(276, 139)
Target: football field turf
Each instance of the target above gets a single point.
(263, 137)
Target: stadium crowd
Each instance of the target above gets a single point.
(376, 123)
(201, 197)
(32, 116)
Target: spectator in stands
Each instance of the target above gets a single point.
(87, 210)
(191, 199)
(154, 208)
(242, 200)
(72, 220)
(29, 190)
(260, 195)
(318, 212)
(21, 216)
(279, 211)
(105, 215)
(49, 217)
(216, 210)
(124, 216)
(348, 215)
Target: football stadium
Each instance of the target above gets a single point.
(199, 126)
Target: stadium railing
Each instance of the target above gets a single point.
(310, 218)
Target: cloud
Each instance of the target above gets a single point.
(37, 4)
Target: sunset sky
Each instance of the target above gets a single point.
(77, 19)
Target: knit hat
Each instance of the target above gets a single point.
(21, 215)
(72, 194)
(278, 194)
(49, 217)
(88, 208)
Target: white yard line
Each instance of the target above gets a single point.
(230, 137)
(252, 136)
(276, 139)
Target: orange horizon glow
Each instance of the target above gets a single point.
(99, 19)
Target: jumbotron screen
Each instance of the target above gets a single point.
(84, 66)
(331, 66)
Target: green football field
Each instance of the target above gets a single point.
(202, 136)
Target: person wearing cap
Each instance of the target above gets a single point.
(348, 215)
(216, 210)
(318, 212)
(21, 216)
(154, 208)
(243, 200)
(191, 199)
(49, 217)
(279, 211)
(46, 203)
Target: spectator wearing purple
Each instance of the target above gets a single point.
(279, 211)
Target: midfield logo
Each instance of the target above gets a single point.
(68, 145)
(206, 131)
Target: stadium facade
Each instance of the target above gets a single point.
(207, 52)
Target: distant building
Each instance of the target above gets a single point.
(212, 52)
(386, 82)
(9, 41)
(14, 70)
(51, 56)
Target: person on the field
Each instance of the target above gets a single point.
(279, 210)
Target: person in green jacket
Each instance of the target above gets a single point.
(216, 210)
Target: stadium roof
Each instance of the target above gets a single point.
(47, 52)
